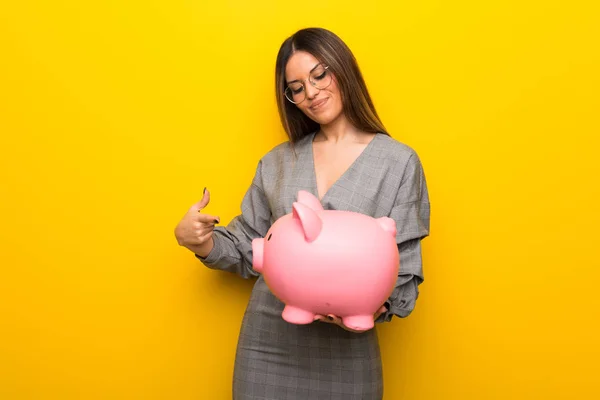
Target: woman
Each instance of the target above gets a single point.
(338, 150)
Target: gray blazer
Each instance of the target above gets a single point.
(387, 179)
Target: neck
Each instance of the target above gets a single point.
(338, 130)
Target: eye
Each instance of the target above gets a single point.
(323, 75)
(269, 238)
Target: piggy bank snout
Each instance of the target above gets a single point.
(258, 252)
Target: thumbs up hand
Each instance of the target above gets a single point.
(195, 229)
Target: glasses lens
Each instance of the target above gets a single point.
(295, 93)
(320, 77)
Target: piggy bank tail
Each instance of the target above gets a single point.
(388, 225)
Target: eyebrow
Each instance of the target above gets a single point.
(298, 80)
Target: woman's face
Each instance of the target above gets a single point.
(321, 105)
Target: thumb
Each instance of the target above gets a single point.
(203, 202)
(381, 310)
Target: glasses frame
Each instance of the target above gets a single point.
(326, 67)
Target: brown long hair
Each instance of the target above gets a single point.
(328, 48)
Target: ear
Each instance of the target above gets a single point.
(388, 225)
(258, 256)
(309, 220)
(308, 199)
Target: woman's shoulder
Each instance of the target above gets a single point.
(394, 150)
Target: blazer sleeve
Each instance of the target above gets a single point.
(411, 211)
(232, 251)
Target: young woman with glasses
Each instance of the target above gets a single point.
(339, 150)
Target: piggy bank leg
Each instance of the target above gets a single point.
(359, 322)
(297, 315)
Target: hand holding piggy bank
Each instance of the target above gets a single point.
(323, 262)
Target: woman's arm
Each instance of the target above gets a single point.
(411, 212)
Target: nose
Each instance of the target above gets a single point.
(311, 91)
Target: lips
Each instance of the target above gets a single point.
(316, 105)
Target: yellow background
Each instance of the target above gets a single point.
(114, 115)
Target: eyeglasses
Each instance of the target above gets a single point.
(319, 77)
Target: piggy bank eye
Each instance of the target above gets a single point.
(269, 238)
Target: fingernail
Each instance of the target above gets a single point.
(204, 191)
(216, 221)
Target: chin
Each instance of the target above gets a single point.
(325, 118)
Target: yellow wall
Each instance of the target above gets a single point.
(114, 115)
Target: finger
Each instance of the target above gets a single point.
(381, 310)
(323, 318)
(334, 319)
(207, 218)
(203, 202)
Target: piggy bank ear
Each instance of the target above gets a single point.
(388, 225)
(309, 220)
(308, 199)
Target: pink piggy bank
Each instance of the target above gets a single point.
(323, 262)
